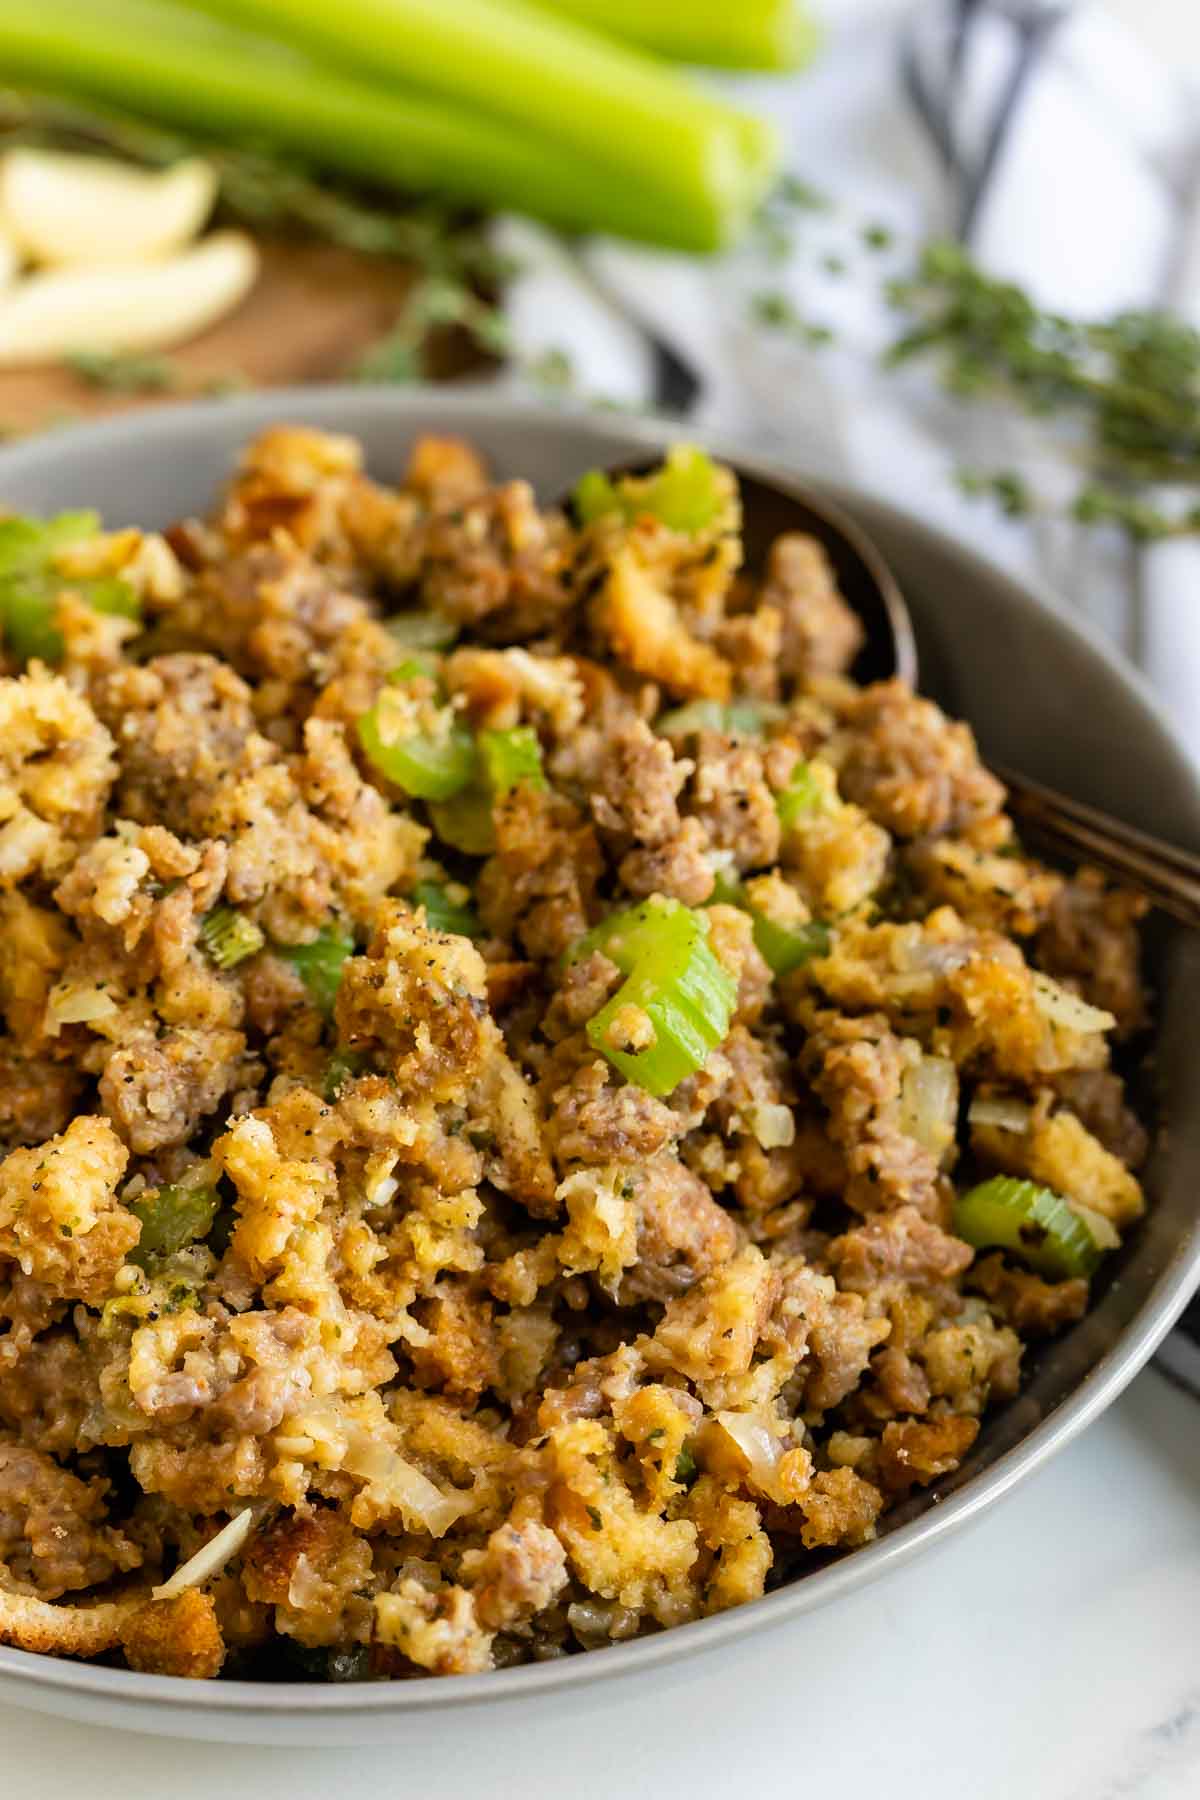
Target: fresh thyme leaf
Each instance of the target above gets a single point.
(123, 373)
(1131, 383)
(1005, 485)
(552, 370)
(436, 303)
(395, 357)
(878, 237)
(799, 194)
(775, 309)
(833, 264)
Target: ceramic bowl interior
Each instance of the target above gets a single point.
(1043, 696)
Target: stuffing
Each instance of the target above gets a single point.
(371, 1306)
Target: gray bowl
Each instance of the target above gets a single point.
(1043, 696)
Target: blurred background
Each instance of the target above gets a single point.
(946, 250)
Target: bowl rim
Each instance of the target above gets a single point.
(326, 407)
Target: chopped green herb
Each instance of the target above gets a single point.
(124, 372)
(686, 1470)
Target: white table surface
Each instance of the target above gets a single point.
(1051, 1652)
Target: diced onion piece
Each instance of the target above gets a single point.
(422, 630)
(1101, 1227)
(756, 1434)
(127, 306)
(210, 1559)
(10, 258)
(929, 1103)
(1062, 1007)
(70, 1004)
(64, 208)
(772, 1125)
(397, 1483)
(1038, 1226)
(1001, 1112)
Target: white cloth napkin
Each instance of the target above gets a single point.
(1092, 202)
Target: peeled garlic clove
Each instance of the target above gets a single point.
(10, 257)
(66, 209)
(131, 307)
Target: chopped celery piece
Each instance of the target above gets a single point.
(782, 947)
(1036, 1224)
(427, 766)
(801, 798)
(422, 630)
(30, 584)
(508, 758)
(787, 947)
(229, 936)
(342, 1065)
(319, 964)
(442, 914)
(414, 668)
(465, 822)
(745, 716)
(505, 760)
(684, 493)
(171, 1217)
(675, 991)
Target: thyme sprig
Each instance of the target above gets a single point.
(1129, 384)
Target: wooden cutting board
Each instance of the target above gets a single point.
(313, 311)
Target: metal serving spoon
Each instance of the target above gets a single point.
(1167, 876)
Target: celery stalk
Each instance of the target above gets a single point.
(753, 34)
(171, 64)
(546, 75)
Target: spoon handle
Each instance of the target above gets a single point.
(1167, 876)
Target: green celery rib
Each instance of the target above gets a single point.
(546, 75)
(171, 64)
(748, 34)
